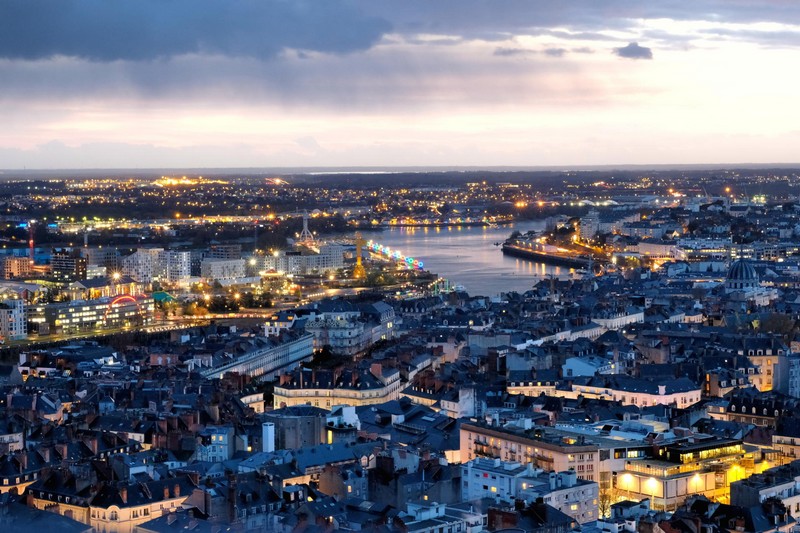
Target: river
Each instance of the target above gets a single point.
(467, 255)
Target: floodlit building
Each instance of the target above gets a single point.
(15, 267)
(696, 465)
(346, 387)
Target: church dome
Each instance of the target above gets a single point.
(741, 275)
(742, 270)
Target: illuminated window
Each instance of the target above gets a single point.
(494, 489)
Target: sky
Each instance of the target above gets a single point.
(377, 83)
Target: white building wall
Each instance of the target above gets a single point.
(12, 319)
(222, 269)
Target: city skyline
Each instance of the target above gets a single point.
(379, 84)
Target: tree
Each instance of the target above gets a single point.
(605, 499)
(168, 307)
(699, 293)
(195, 309)
(779, 324)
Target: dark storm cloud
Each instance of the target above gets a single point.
(634, 51)
(106, 30)
(575, 20)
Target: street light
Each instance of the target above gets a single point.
(652, 484)
(696, 479)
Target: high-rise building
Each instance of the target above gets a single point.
(68, 264)
(175, 266)
(101, 256)
(142, 265)
(590, 225)
(146, 265)
(12, 319)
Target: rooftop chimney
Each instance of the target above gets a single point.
(93, 445)
(62, 450)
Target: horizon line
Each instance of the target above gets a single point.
(395, 169)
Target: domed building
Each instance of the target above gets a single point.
(741, 277)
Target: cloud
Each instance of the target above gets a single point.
(507, 52)
(634, 51)
(586, 20)
(555, 52)
(104, 31)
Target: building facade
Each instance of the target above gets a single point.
(13, 323)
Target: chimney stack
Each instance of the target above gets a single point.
(123, 494)
(61, 448)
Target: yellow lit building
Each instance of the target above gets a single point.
(346, 387)
(704, 466)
